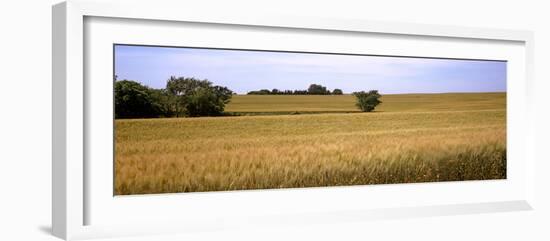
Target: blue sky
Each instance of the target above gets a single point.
(243, 71)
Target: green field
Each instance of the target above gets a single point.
(280, 143)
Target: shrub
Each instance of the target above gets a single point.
(198, 97)
(367, 101)
(133, 100)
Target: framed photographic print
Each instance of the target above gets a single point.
(265, 119)
(206, 122)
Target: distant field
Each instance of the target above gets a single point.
(346, 103)
(411, 138)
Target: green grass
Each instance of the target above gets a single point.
(412, 138)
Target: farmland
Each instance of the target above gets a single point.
(311, 141)
(251, 104)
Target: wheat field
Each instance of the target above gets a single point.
(289, 104)
(314, 141)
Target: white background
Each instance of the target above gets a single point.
(25, 123)
(190, 209)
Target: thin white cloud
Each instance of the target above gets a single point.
(304, 63)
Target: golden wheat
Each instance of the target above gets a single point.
(425, 144)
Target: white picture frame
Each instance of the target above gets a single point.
(72, 192)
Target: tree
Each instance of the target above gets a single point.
(337, 92)
(195, 97)
(133, 100)
(165, 101)
(259, 92)
(315, 89)
(204, 102)
(367, 101)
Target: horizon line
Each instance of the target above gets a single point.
(418, 93)
(246, 93)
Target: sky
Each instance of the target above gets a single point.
(243, 71)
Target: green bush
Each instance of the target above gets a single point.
(367, 101)
(337, 92)
(195, 97)
(181, 97)
(133, 100)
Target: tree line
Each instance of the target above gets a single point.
(182, 97)
(190, 97)
(314, 89)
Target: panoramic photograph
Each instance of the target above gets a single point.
(205, 119)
